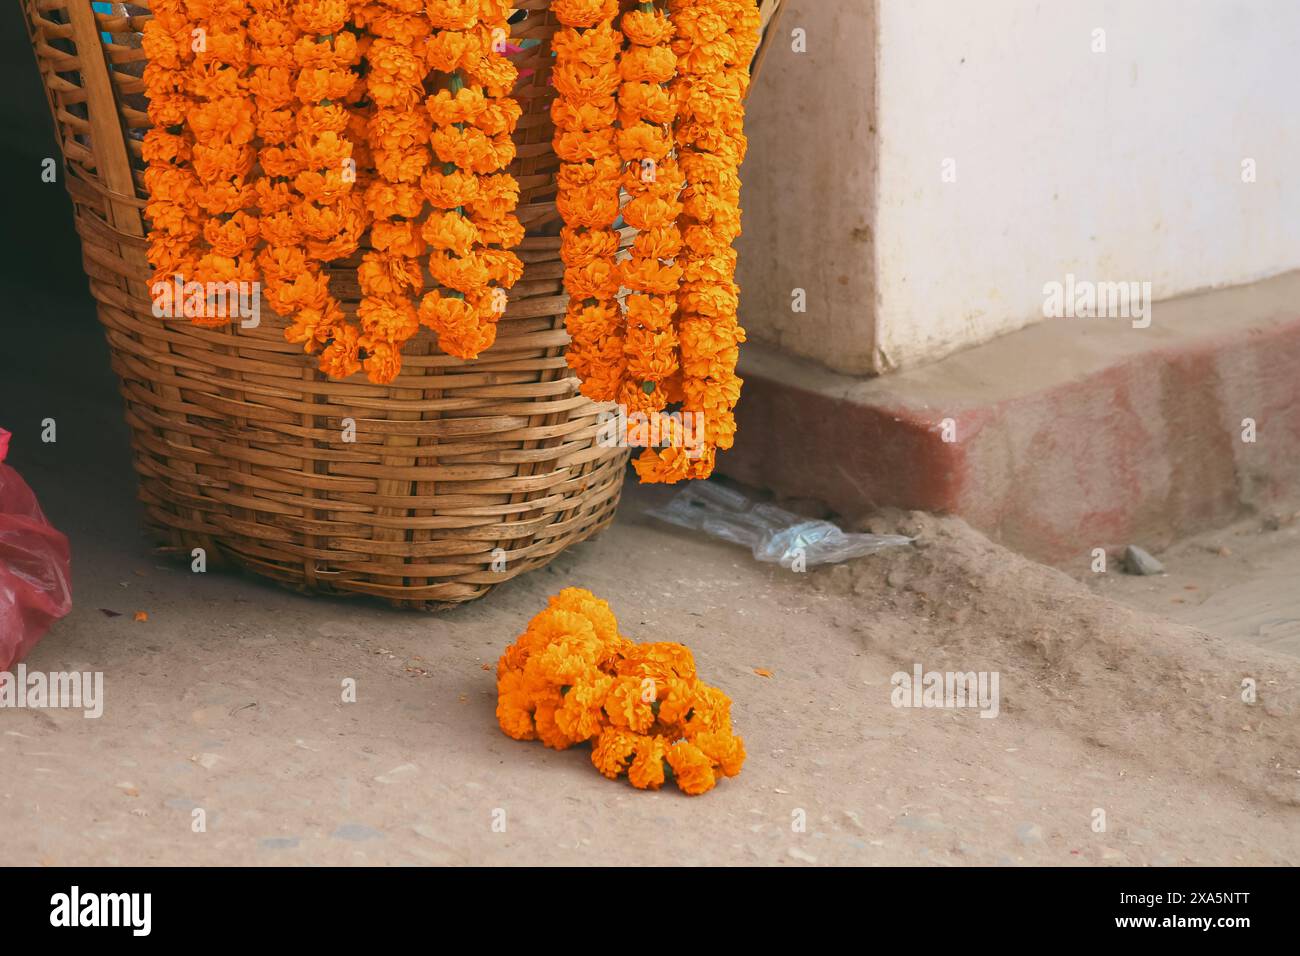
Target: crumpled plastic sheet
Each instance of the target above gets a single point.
(35, 567)
(774, 535)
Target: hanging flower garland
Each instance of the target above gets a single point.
(273, 149)
(571, 678)
(653, 182)
(586, 77)
(715, 43)
(329, 215)
(391, 274)
(221, 122)
(286, 274)
(471, 227)
(302, 73)
(200, 150)
(175, 220)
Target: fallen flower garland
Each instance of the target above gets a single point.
(571, 678)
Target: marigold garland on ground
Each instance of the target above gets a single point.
(571, 678)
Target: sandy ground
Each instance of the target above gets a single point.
(1241, 582)
(228, 699)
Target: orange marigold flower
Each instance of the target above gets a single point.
(463, 273)
(651, 276)
(647, 769)
(647, 28)
(468, 343)
(579, 247)
(383, 361)
(387, 320)
(464, 106)
(647, 64)
(613, 752)
(447, 190)
(338, 359)
(596, 280)
(504, 267)
(692, 769)
(234, 236)
(659, 242)
(401, 238)
(591, 322)
(450, 51)
(450, 232)
(386, 200)
(584, 13)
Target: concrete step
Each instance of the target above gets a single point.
(1057, 439)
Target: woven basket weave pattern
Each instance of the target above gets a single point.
(462, 474)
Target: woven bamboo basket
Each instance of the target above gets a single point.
(460, 475)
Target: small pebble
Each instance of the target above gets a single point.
(1138, 561)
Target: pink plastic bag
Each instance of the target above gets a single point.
(35, 567)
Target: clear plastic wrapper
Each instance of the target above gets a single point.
(774, 535)
(35, 568)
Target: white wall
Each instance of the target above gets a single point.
(1115, 166)
(809, 185)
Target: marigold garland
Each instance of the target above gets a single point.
(677, 128)
(310, 213)
(270, 156)
(200, 147)
(653, 182)
(586, 78)
(391, 273)
(471, 228)
(284, 130)
(571, 678)
(715, 43)
(174, 217)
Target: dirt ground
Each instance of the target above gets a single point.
(228, 699)
(1241, 583)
